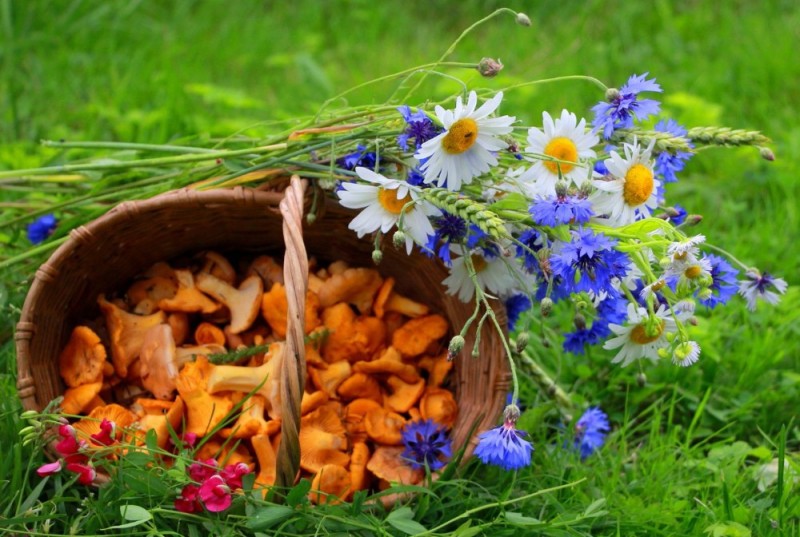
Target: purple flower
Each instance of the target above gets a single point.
(415, 178)
(668, 164)
(516, 305)
(504, 446)
(448, 229)
(426, 444)
(419, 128)
(533, 241)
(620, 111)
(723, 285)
(575, 342)
(589, 262)
(590, 431)
(757, 285)
(41, 228)
(559, 210)
(360, 157)
(679, 218)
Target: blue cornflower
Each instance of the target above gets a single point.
(679, 218)
(534, 241)
(516, 305)
(448, 229)
(419, 127)
(723, 285)
(619, 113)
(763, 286)
(575, 342)
(41, 228)
(589, 262)
(590, 431)
(668, 164)
(557, 210)
(426, 443)
(415, 178)
(359, 157)
(504, 446)
(600, 167)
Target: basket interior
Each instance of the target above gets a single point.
(107, 253)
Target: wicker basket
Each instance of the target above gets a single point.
(107, 253)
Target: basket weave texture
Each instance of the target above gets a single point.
(107, 253)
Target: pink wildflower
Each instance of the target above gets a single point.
(201, 470)
(86, 473)
(106, 435)
(233, 473)
(187, 501)
(68, 445)
(49, 469)
(215, 494)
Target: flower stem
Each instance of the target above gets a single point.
(126, 146)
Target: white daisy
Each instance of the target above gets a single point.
(383, 203)
(567, 142)
(631, 193)
(642, 336)
(689, 270)
(686, 353)
(464, 150)
(492, 273)
(688, 246)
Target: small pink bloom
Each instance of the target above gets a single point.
(49, 469)
(185, 441)
(106, 435)
(215, 494)
(86, 473)
(233, 473)
(201, 470)
(187, 501)
(68, 445)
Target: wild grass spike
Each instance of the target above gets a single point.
(468, 209)
(727, 136)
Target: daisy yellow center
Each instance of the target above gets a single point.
(478, 262)
(638, 185)
(639, 333)
(389, 200)
(693, 272)
(563, 149)
(461, 136)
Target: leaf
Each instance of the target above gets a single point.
(728, 529)
(403, 520)
(465, 530)
(595, 508)
(521, 520)
(512, 201)
(299, 494)
(236, 165)
(266, 517)
(135, 514)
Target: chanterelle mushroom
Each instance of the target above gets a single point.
(188, 299)
(243, 302)
(158, 362)
(204, 411)
(323, 440)
(331, 485)
(356, 286)
(126, 331)
(82, 360)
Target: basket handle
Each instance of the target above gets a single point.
(293, 367)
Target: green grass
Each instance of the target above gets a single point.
(687, 444)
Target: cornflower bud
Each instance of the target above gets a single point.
(399, 239)
(377, 257)
(522, 341)
(489, 67)
(523, 19)
(612, 94)
(546, 306)
(456, 344)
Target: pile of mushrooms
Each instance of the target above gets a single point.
(377, 360)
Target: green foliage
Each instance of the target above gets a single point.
(708, 450)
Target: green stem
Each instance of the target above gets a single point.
(182, 159)
(453, 46)
(126, 146)
(728, 255)
(591, 79)
(478, 509)
(32, 252)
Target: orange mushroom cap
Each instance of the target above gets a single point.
(382, 296)
(179, 322)
(82, 360)
(312, 401)
(242, 302)
(405, 305)
(360, 385)
(188, 298)
(384, 426)
(77, 399)
(219, 267)
(437, 368)
(162, 416)
(158, 362)
(329, 379)
(356, 286)
(440, 406)
(331, 484)
(416, 335)
(267, 269)
(354, 415)
(388, 463)
(207, 333)
(323, 440)
(152, 290)
(251, 420)
(390, 362)
(126, 332)
(275, 308)
(119, 415)
(404, 395)
(204, 411)
(358, 467)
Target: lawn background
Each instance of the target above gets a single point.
(686, 443)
